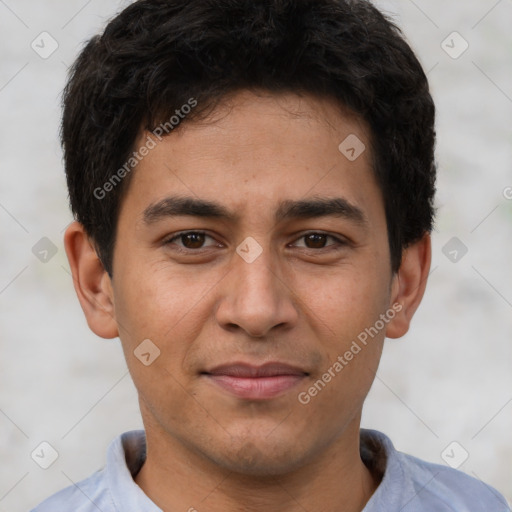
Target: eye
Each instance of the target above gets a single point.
(191, 240)
(318, 241)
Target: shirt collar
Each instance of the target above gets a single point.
(127, 453)
(125, 457)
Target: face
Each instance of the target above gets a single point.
(252, 253)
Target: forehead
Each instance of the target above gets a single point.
(258, 150)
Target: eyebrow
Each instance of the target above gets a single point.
(175, 206)
(321, 207)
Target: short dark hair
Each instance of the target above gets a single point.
(158, 55)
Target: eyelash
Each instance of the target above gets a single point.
(182, 233)
(338, 241)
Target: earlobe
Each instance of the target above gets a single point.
(92, 283)
(409, 285)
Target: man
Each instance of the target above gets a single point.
(253, 187)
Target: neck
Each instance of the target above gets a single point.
(336, 480)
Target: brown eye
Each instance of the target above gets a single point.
(193, 240)
(316, 241)
(192, 243)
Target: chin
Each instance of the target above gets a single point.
(259, 458)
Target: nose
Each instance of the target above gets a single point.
(256, 298)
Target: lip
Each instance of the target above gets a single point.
(256, 382)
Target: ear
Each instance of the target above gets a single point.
(92, 283)
(409, 285)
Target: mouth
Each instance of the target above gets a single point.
(256, 382)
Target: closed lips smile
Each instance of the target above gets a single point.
(256, 382)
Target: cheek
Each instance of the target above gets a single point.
(153, 305)
(343, 309)
(344, 313)
(344, 302)
(164, 306)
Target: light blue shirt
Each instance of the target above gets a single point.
(408, 484)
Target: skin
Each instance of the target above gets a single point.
(299, 302)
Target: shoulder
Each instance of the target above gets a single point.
(453, 489)
(110, 488)
(416, 485)
(85, 496)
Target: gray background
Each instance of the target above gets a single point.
(448, 380)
